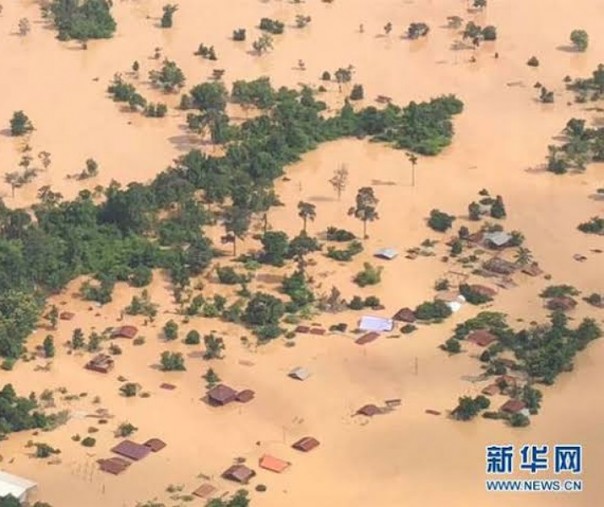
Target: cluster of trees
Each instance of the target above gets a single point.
(582, 146)
(346, 254)
(591, 87)
(82, 19)
(440, 221)
(206, 52)
(432, 311)
(18, 413)
(593, 226)
(469, 407)
(169, 78)
(272, 26)
(133, 229)
(477, 34)
(370, 275)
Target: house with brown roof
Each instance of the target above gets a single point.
(367, 338)
(101, 363)
(131, 450)
(563, 303)
(245, 396)
(205, 490)
(369, 410)
(239, 473)
(481, 337)
(405, 315)
(221, 395)
(273, 464)
(491, 390)
(513, 406)
(483, 290)
(306, 444)
(532, 269)
(113, 466)
(125, 332)
(499, 266)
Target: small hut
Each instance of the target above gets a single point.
(306, 444)
(273, 464)
(513, 406)
(245, 396)
(369, 410)
(239, 473)
(299, 373)
(155, 444)
(481, 337)
(101, 363)
(125, 332)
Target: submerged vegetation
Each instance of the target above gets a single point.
(82, 19)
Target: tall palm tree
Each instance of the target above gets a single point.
(523, 256)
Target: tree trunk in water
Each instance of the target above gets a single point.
(364, 229)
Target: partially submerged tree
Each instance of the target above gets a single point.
(169, 78)
(20, 124)
(580, 39)
(365, 207)
(339, 180)
(167, 16)
(306, 211)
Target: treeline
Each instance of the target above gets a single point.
(124, 232)
(18, 413)
(582, 146)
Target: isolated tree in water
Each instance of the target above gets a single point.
(339, 180)
(24, 27)
(20, 124)
(166, 19)
(263, 44)
(580, 39)
(365, 208)
(306, 211)
(480, 4)
(413, 161)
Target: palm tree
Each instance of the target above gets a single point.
(523, 256)
(413, 159)
(306, 211)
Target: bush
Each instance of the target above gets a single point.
(489, 33)
(345, 255)
(580, 39)
(433, 310)
(369, 276)
(357, 92)
(341, 235)
(263, 309)
(533, 62)
(141, 276)
(442, 284)
(326, 76)
(555, 291)
(239, 34)
(229, 276)
(519, 420)
(356, 303)
(417, 30)
(172, 361)
(472, 296)
(408, 329)
(192, 338)
(452, 346)
(130, 389)
(372, 302)
(88, 442)
(268, 332)
(440, 221)
(171, 330)
(272, 26)
(593, 226)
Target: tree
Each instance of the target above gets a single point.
(306, 211)
(388, 28)
(77, 339)
(49, 346)
(166, 19)
(263, 44)
(192, 338)
(211, 377)
(130, 389)
(275, 245)
(239, 34)
(413, 160)
(20, 124)
(125, 429)
(365, 208)
(343, 75)
(480, 4)
(172, 361)
(263, 309)
(357, 93)
(302, 21)
(498, 208)
(171, 330)
(580, 39)
(236, 223)
(452, 346)
(214, 346)
(417, 30)
(53, 316)
(24, 27)
(169, 78)
(523, 256)
(339, 180)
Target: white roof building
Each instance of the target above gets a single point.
(299, 373)
(379, 324)
(16, 486)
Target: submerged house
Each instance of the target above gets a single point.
(378, 324)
